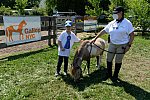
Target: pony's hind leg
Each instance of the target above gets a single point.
(88, 66)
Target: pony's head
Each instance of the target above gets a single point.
(76, 72)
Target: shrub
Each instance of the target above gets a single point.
(5, 10)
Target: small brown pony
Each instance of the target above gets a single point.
(10, 30)
(86, 51)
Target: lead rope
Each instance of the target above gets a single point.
(109, 51)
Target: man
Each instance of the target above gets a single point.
(121, 38)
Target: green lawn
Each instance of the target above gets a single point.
(31, 76)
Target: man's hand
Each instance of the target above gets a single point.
(127, 49)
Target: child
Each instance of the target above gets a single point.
(65, 43)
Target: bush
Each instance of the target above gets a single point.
(5, 11)
(100, 28)
(39, 11)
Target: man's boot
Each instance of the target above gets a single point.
(116, 72)
(109, 70)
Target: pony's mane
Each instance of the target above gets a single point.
(80, 49)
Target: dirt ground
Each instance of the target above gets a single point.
(36, 45)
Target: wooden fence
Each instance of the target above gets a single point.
(48, 23)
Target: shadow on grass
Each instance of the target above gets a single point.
(95, 77)
(28, 53)
(147, 37)
(132, 89)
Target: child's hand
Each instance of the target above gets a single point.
(62, 49)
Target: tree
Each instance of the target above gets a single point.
(66, 5)
(139, 10)
(72, 5)
(33, 3)
(5, 10)
(50, 6)
(7, 3)
(104, 4)
(97, 7)
(115, 3)
(20, 6)
(95, 10)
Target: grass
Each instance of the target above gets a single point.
(30, 76)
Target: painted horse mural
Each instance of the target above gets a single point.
(11, 29)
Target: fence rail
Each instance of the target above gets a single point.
(52, 24)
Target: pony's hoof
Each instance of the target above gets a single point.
(99, 68)
(88, 73)
(77, 81)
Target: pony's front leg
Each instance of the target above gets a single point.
(88, 66)
(98, 61)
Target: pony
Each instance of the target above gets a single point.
(86, 51)
(10, 30)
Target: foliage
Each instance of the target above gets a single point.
(96, 11)
(98, 29)
(5, 10)
(33, 3)
(39, 11)
(20, 6)
(98, 8)
(115, 3)
(12, 3)
(65, 6)
(71, 5)
(50, 6)
(8, 3)
(118, 3)
(139, 12)
(104, 4)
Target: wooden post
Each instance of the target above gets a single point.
(49, 31)
(54, 30)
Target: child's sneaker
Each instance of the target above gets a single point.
(57, 74)
(65, 73)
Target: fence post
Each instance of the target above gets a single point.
(54, 30)
(49, 31)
